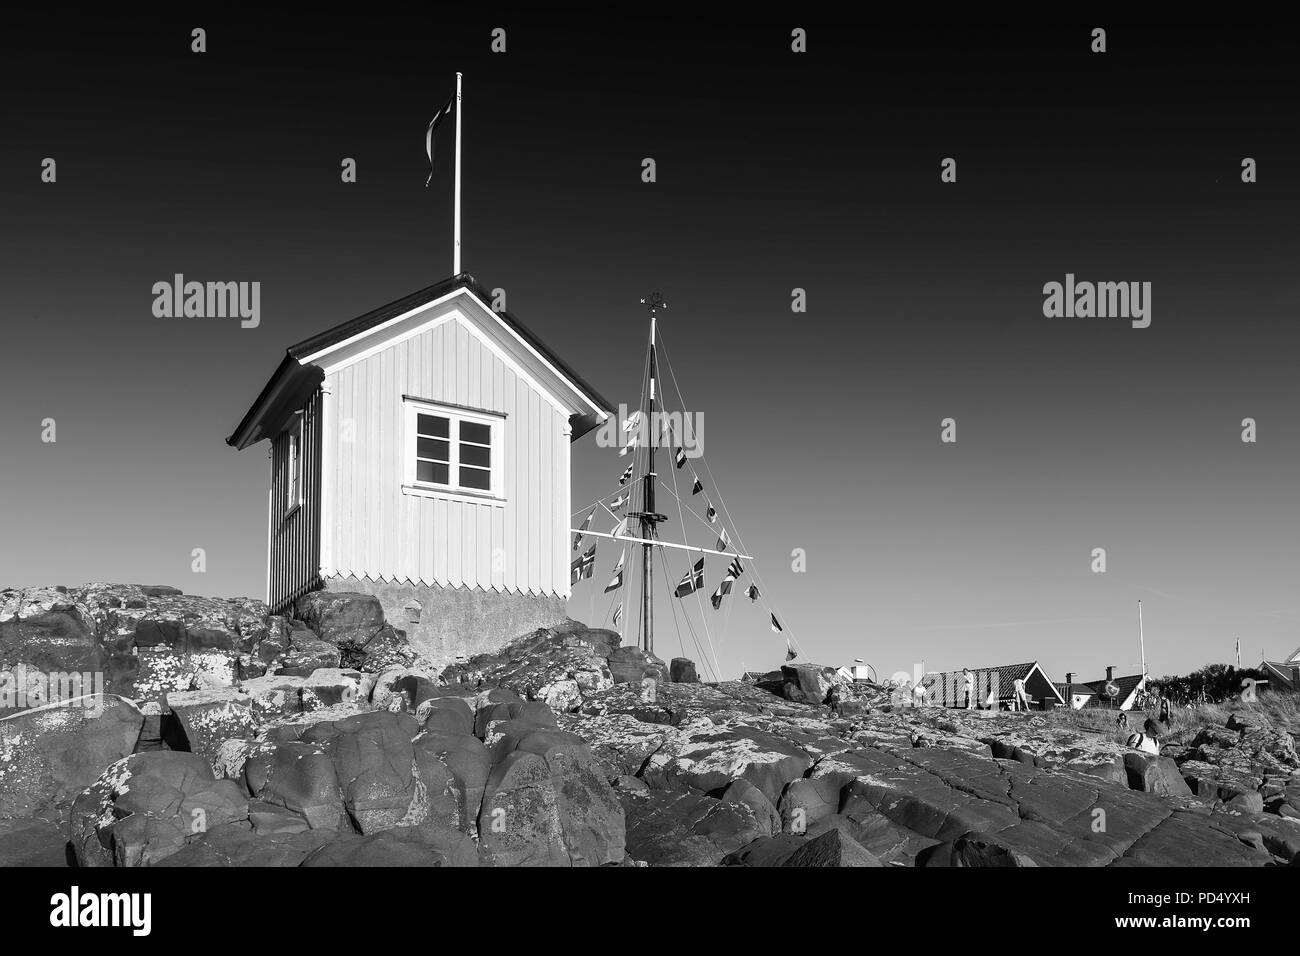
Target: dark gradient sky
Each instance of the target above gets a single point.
(775, 171)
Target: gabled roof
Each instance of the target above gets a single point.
(295, 379)
(1076, 688)
(1127, 687)
(1007, 675)
(1280, 670)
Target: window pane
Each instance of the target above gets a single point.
(475, 431)
(475, 455)
(433, 425)
(431, 471)
(478, 478)
(433, 448)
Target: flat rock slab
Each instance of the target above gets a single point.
(687, 828)
(50, 754)
(710, 759)
(33, 843)
(235, 845)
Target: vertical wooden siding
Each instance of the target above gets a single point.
(295, 539)
(376, 531)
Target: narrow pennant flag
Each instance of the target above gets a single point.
(665, 432)
(696, 486)
(621, 529)
(586, 523)
(636, 439)
(692, 580)
(653, 371)
(633, 421)
(680, 459)
(776, 626)
(752, 593)
(724, 540)
(616, 581)
(618, 614)
(790, 652)
(626, 475)
(619, 502)
(434, 123)
(582, 567)
(712, 513)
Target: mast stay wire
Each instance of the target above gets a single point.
(663, 352)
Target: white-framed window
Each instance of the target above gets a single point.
(454, 449)
(293, 466)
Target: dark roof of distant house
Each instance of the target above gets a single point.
(294, 380)
(1007, 675)
(1076, 688)
(1281, 670)
(1126, 687)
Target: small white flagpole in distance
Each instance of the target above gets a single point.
(1142, 643)
(455, 253)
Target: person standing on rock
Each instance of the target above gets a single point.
(969, 679)
(1021, 699)
(1164, 710)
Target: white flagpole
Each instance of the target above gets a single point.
(455, 253)
(1142, 640)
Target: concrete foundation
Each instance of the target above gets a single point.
(449, 623)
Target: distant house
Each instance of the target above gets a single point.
(420, 453)
(947, 688)
(855, 671)
(1077, 694)
(1128, 690)
(1283, 675)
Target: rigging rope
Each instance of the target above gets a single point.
(663, 353)
(708, 636)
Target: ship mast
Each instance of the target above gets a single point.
(648, 516)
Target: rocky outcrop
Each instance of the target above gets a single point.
(682, 671)
(51, 753)
(560, 666)
(522, 792)
(319, 741)
(144, 808)
(354, 624)
(688, 828)
(144, 640)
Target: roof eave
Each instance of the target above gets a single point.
(324, 340)
(288, 388)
